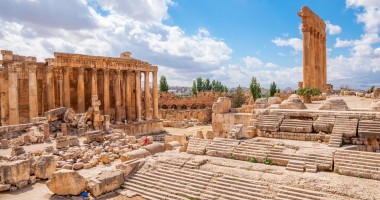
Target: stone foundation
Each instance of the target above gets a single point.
(140, 128)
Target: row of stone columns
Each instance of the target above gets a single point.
(64, 90)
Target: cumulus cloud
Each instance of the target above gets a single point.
(100, 27)
(252, 62)
(370, 16)
(333, 29)
(295, 43)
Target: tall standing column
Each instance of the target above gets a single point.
(324, 66)
(306, 56)
(66, 87)
(33, 99)
(106, 91)
(317, 76)
(80, 90)
(138, 96)
(148, 113)
(59, 76)
(129, 96)
(155, 95)
(50, 87)
(118, 97)
(13, 95)
(312, 59)
(94, 82)
(4, 98)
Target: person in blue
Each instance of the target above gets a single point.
(84, 194)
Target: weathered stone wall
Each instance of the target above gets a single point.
(201, 115)
(200, 101)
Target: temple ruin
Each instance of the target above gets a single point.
(314, 50)
(30, 88)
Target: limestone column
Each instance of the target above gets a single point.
(123, 95)
(129, 96)
(138, 96)
(324, 65)
(66, 87)
(312, 59)
(4, 98)
(148, 114)
(155, 95)
(80, 90)
(50, 87)
(13, 95)
(317, 76)
(118, 97)
(94, 82)
(33, 98)
(106, 91)
(59, 77)
(306, 56)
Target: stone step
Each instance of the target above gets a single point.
(150, 193)
(297, 193)
(172, 185)
(193, 172)
(182, 177)
(363, 157)
(359, 161)
(339, 163)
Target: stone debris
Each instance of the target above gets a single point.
(105, 182)
(334, 104)
(67, 182)
(293, 102)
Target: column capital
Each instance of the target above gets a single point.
(306, 28)
(81, 69)
(65, 69)
(32, 68)
(13, 67)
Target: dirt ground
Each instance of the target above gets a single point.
(353, 102)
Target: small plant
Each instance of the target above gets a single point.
(252, 160)
(360, 176)
(267, 161)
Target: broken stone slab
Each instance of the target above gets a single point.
(129, 166)
(199, 135)
(106, 181)
(14, 171)
(171, 145)
(44, 166)
(67, 182)
(154, 148)
(97, 136)
(179, 138)
(22, 184)
(139, 153)
(4, 187)
(54, 114)
(17, 151)
(73, 141)
(61, 142)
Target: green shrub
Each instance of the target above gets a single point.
(267, 161)
(252, 160)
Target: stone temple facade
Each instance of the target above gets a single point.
(314, 49)
(29, 88)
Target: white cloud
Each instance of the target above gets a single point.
(252, 62)
(333, 29)
(295, 43)
(271, 65)
(99, 27)
(370, 16)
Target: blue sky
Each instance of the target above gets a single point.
(228, 40)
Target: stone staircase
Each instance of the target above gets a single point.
(324, 124)
(269, 123)
(260, 150)
(335, 140)
(345, 126)
(168, 182)
(357, 163)
(221, 147)
(197, 146)
(369, 129)
(296, 126)
(295, 165)
(291, 193)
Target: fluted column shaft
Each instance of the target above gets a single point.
(155, 95)
(66, 87)
(106, 91)
(148, 113)
(13, 96)
(118, 97)
(129, 96)
(94, 82)
(138, 96)
(50, 87)
(80, 90)
(33, 98)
